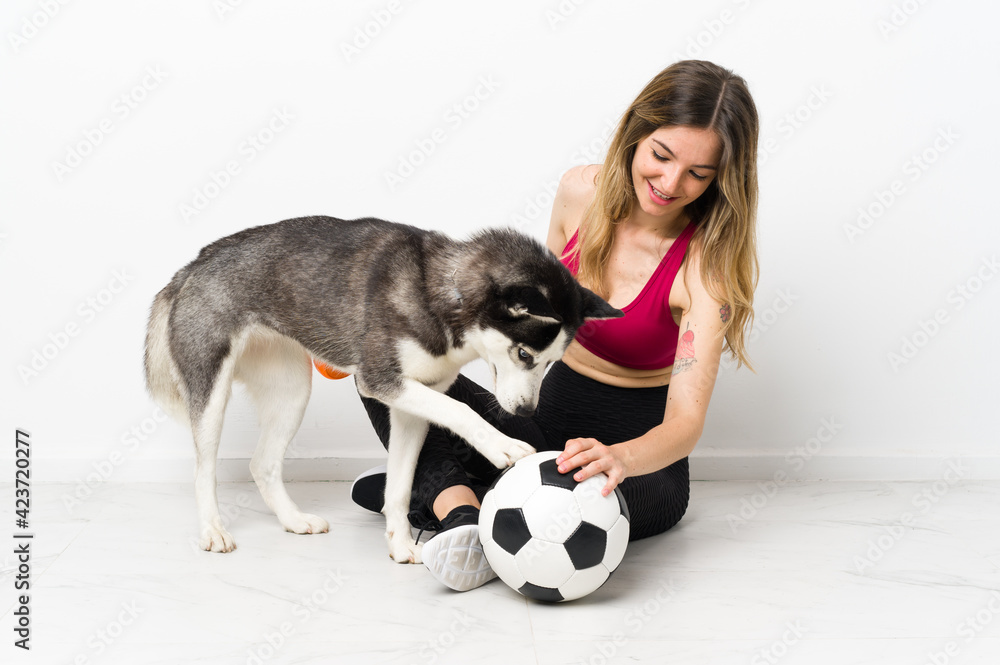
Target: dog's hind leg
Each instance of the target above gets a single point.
(207, 430)
(277, 372)
(406, 438)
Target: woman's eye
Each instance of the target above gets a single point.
(666, 159)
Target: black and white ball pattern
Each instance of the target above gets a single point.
(549, 537)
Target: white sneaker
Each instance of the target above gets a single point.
(455, 558)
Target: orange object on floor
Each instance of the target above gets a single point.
(328, 371)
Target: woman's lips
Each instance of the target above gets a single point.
(657, 198)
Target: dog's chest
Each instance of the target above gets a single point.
(418, 364)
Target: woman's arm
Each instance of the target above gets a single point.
(696, 365)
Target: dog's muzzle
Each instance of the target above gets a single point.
(524, 411)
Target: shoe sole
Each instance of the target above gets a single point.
(455, 558)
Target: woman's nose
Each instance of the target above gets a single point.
(669, 180)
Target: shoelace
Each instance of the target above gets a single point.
(429, 525)
(457, 515)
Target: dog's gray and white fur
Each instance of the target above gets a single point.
(400, 308)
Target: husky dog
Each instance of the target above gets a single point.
(400, 308)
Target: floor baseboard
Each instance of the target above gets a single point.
(763, 467)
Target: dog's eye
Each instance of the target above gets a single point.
(523, 355)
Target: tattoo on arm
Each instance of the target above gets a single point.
(684, 358)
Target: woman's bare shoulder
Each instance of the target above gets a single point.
(579, 184)
(576, 189)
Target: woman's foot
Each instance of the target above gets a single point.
(455, 556)
(368, 490)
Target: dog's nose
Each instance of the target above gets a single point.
(524, 411)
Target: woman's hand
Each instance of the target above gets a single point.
(593, 457)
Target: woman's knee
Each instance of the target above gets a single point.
(656, 501)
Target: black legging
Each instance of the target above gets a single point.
(570, 406)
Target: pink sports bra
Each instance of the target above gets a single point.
(646, 337)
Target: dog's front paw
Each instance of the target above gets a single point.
(506, 451)
(305, 523)
(216, 539)
(402, 549)
(518, 450)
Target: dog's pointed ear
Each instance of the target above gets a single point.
(595, 307)
(529, 301)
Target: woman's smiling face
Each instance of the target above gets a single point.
(673, 166)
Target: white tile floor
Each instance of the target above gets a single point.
(821, 573)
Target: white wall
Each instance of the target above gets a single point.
(849, 93)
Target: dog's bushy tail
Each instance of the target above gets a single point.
(162, 378)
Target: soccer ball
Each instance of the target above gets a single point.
(549, 537)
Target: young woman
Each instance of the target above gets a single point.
(664, 230)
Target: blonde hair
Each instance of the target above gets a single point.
(698, 94)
